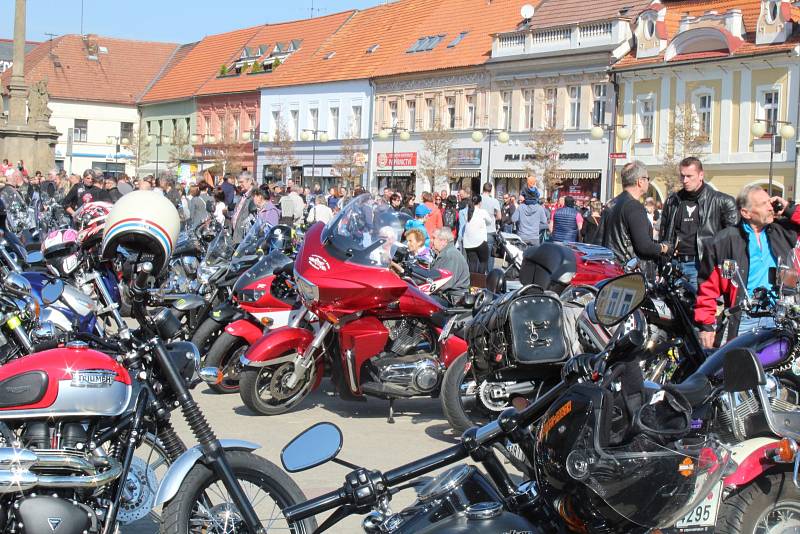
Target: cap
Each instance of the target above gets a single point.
(422, 210)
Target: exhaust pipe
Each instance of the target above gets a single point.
(17, 465)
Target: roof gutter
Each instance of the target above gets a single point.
(795, 51)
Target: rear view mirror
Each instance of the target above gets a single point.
(52, 291)
(315, 446)
(619, 297)
(729, 269)
(742, 371)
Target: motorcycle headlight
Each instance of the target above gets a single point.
(307, 291)
(190, 264)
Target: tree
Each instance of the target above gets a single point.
(228, 153)
(545, 145)
(139, 147)
(281, 153)
(181, 148)
(433, 164)
(685, 138)
(350, 166)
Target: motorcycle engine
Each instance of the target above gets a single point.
(45, 514)
(408, 362)
(744, 419)
(407, 336)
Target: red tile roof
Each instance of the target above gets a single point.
(552, 13)
(119, 75)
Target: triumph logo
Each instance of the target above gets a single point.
(93, 378)
(54, 522)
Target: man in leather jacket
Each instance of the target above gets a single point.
(625, 228)
(694, 214)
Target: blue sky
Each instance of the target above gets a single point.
(180, 21)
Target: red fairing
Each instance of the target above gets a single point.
(267, 301)
(366, 338)
(245, 330)
(752, 466)
(59, 364)
(279, 341)
(452, 349)
(591, 272)
(415, 302)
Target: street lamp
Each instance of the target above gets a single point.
(479, 134)
(202, 140)
(404, 136)
(256, 138)
(762, 127)
(623, 133)
(116, 141)
(309, 134)
(158, 140)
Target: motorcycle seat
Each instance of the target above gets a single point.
(695, 389)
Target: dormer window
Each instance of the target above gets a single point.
(773, 9)
(649, 28)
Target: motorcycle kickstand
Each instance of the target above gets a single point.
(390, 420)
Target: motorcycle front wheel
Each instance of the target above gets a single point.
(265, 390)
(224, 354)
(204, 506)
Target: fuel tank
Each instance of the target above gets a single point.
(70, 381)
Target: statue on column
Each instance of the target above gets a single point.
(37, 103)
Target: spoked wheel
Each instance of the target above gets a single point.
(224, 354)
(269, 390)
(768, 505)
(203, 505)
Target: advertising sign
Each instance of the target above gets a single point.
(400, 159)
(458, 157)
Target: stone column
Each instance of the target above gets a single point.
(17, 88)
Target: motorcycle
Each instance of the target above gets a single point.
(598, 465)
(378, 332)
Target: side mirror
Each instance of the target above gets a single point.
(17, 284)
(52, 291)
(729, 269)
(315, 446)
(619, 297)
(742, 371)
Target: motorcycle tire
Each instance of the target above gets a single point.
(201, 488)
(224, 355)
(251, 380)
(204, 336)
(750, 509)
(452, 404)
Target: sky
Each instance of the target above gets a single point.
(178, 21)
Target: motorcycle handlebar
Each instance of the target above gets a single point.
(140, 280)
(317, 505)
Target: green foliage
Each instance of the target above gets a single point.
(257, 67)
(276, 63)
(223, 70)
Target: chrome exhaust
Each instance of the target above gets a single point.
(18, 470)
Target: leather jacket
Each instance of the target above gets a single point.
(616, 229)
(715, 209)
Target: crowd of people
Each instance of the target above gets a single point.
(697, 226)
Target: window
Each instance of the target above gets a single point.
(174, 127)
(373, 48)
(313, 118)
(81, 130)
(294, 115)
(411, 113)
(574, 107)
(527, 97)
(703, 110)
(649, 28)
(125, 131)
(251, 121)
(207, 121)
(187, 125)
(276, 119)
(646, 115)
(430, 118)
(236, 127)
(220, 127)
(356, 126)
(149, 127)
(505, 111)
(550, 107)
(470, 111)
(451, 112)
(393, 113)
(600, 93)
(457, 40)
(772, 11)
(425, 44)
(769, 106)
(333, 123)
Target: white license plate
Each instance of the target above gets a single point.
(705, 513)
(447, 328)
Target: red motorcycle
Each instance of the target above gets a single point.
(379, 332)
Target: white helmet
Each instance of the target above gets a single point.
(143, 222)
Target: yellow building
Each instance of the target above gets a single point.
(719, 76)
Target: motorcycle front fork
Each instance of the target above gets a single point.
(302, 363)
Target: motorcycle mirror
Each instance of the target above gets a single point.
(786, 277)
(34, 257)
(619, 297)
(729, 269)
(314, 446)
(742, 371)
(17, 284)
(52, 291)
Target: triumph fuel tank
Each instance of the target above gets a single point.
(70, 381)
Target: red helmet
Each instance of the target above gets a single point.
(90, 220)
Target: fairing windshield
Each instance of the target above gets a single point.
(265, 267)
(254, 240)
(366, 232)
(219, 250)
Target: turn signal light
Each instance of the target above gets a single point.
(267, 321)
(787, 448)
(332, 318)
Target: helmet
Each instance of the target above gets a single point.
(144, 222)
(90, 220)
(280, 239)
(59, 248)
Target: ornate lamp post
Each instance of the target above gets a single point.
(256, 138)
(762, 127)
(478, 134)
(202, 140)
(404, 136)
(117, 142)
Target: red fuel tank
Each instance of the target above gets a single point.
(71, 381)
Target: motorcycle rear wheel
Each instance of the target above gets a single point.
(262, 389)
(204, 336)
(202, 504)
(462, 412)
(224, 354)
(768, 504)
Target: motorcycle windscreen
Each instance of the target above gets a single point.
(536, 327)
(650, 484)
(220, 249)
(264, 268)
(254, 240)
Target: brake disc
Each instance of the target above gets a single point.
(139, 492)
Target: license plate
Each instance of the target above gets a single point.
(704, 514)
(447, 328)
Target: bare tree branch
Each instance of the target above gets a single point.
(349, 167)
(684, 139)
(433, 163)
(545, 145)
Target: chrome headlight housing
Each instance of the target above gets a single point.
(308, 292)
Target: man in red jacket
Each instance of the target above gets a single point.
(757, 244)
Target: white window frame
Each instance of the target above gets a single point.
(550, 107)
(294, 116)
(574, 93)
(528, 99)
(450, 103)
(80, 134)
(763, 144)
(505, 110)
(333, 121)
(236, 126)
(470, 109)
(355, 127)
(273, 124)
(641, 138)
(430, 113)
(599, 103)
(702, 111)
(313, 117)
(393, 113)
(411, 114)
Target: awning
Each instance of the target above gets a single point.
(579, 175)
(398, 173)
(464, 173)
(509, 174)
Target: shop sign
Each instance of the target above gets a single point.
(618, 155)
(397, 159)
(318, 171)
(564, 156)
(457, 157)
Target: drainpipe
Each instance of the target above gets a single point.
(796, 52)
(370, 178)
(612, 140)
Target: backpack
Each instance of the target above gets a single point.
(450, 218)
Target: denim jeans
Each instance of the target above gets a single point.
(748, 323)
(490, 240)
(689, 270)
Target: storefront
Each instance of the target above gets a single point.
(510, 182)
(580, 185)
(397, 171)
(464, 168)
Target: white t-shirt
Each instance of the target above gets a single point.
(492, 207)
(475, 232)
(219, 212)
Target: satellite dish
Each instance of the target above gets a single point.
(526, 11)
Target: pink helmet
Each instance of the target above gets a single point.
(91, 220)
(59, 248)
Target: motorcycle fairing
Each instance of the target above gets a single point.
(360, 340)
(276, 343)
(751, 461)
(224, 313)
(244, 329)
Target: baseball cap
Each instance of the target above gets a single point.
(422, 210)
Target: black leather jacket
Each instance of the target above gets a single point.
(716, 210)
(626, 231)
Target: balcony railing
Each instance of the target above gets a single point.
(547, 40)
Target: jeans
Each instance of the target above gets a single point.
(689, 270)
(490, 240)
(748, 323)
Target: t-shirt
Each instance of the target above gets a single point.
(761, 259)
(686, 225)
(492, 207)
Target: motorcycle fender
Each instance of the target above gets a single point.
(224, 313)
(269, 347)
(452, 349)
(246, 330)
(750, 460)
(173, 479)
(187, 302)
